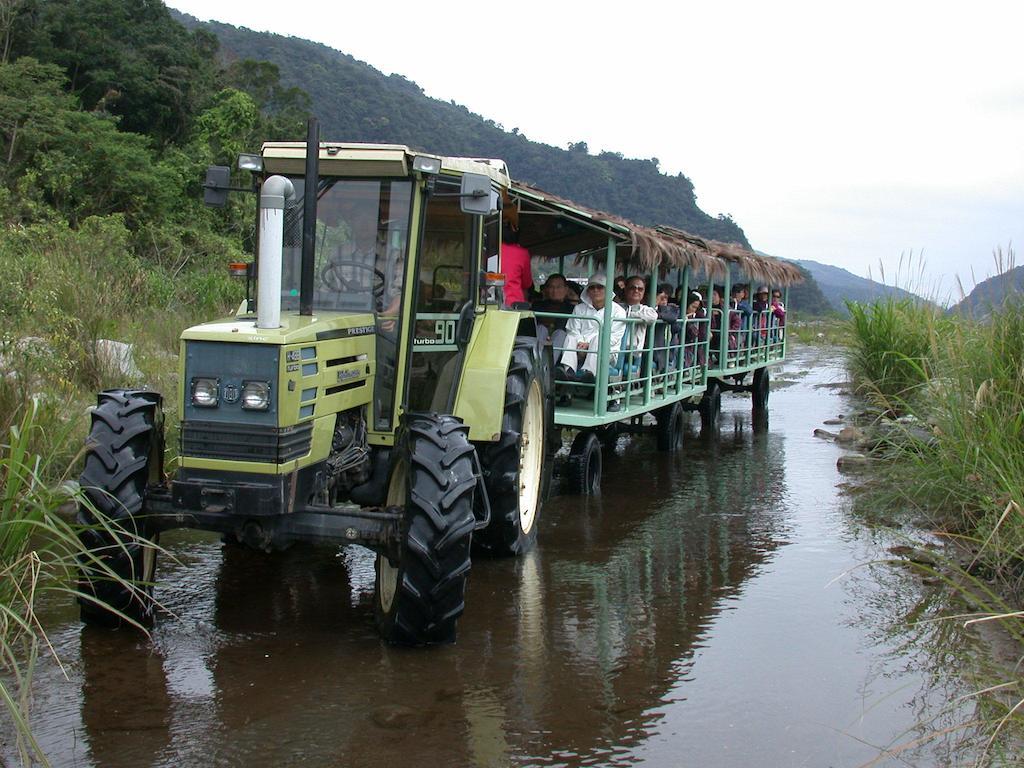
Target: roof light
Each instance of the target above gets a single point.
(250, 163)
(425, 164)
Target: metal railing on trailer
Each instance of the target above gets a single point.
(638, 380)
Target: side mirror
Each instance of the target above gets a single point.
(216, 186)
(478, 196)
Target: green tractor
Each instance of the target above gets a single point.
(375, 391)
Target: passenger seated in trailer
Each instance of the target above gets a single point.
(739, 312)
(778, 315)
(620, 289)
(716, 322)
(636, 333)
(667, 330)
(554, 298)
(583, 334)
(760, 319)
(573, 291)
(693, 350)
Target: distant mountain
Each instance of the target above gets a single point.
(356, 102)
(807, 298)
(838, 285)
(991, 293)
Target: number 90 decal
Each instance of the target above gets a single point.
(435, 335)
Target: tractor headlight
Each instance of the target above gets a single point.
(204, 392)
(256, 395)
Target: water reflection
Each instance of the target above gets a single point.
(128, 679)
(562, 654)
(688, 597)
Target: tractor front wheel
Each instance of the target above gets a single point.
(124, 453)
(420, 597)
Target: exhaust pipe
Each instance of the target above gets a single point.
(275, 191)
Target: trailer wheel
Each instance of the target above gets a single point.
(517, 467)
(669, 429)
(710, 406)
(584, 475)
(124, 453)
(759, 389)
(419, 599)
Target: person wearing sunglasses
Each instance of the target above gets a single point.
(635, 293)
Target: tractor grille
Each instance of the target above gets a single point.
(245, 442)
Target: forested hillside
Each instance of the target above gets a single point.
(110, 111)
(356, 102)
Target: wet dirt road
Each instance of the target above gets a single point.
(701, 612)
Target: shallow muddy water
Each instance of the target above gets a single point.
(706, 610)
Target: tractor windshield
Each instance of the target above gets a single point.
(361, 240)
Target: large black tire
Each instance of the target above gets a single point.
(124, 454)
(760, 388)
(670, 426)
(584, 471)
(517, 467)
(710, 406)
(419, 599)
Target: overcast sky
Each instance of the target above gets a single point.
(849, 134)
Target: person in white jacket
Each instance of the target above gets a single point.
(583, 334)
(636, 290)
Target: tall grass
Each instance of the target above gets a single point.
(891, 359)
(959, 457)
(40, 551)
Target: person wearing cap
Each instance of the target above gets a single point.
(583, 334)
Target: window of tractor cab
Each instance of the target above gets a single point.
(446, 255)
(446, 271)
(362, 236)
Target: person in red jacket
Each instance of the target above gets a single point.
(515, 265)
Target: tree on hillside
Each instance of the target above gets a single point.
(77, 163)
(125, 57)
(284, 110)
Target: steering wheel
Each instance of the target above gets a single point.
(332, 277)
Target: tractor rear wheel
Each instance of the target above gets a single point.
(420, 597)
(124, 454)
(517, 467)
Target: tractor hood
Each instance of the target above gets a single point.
(294, 329)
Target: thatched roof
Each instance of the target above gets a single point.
(765, 268)
(642, 249)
